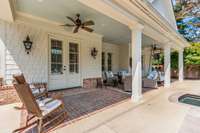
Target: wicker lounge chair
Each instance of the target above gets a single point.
(110, 78)
(47, 111)
(127, 83)
(38, 89)
(149, 83)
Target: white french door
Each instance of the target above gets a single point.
(73, 63)
(64, 63)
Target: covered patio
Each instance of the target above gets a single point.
(125, 38)
(71, 65)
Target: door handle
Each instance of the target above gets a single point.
(64, 68)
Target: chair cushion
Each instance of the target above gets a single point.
(42, 102)
(109, 74)
(47, 106)
(153, 75)
(36, 91)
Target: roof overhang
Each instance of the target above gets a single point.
(130, 12)
(149, 16)
(164, 22)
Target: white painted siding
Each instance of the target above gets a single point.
(2, 51)
(114, 49)
(35, 65)
(120, 54)
(121, 57)
(90, 67)
(124, 57)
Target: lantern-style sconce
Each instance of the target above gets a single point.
(94, 53)
(28, 44)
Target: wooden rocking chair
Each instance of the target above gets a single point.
(38, 89)
(46, 111)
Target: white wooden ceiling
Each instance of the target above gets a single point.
(56, 10)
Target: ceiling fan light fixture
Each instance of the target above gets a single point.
(77, 24)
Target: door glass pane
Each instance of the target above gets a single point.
(71, 67)
(56, 56)
(73, 58)
(73, 47)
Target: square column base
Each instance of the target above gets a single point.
(135, 98)
(166, 85)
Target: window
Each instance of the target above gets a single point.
(73, 58)
(109, 61)
(103, 62)
(56, 57)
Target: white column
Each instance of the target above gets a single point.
(180, 65)
(136, 53)
(167, 65)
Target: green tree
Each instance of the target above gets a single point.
(192, 54)
(174, 60)
(191, 57)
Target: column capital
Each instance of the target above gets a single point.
(136, 26)
(181, 49)
(167, 45)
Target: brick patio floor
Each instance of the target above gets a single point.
(81, 103)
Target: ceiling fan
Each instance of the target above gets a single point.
(77, 24)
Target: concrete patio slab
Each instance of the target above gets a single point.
(155, 114)
(9, 118)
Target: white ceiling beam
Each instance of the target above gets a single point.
(6, 12)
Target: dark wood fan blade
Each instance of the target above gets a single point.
(88, 29)
(88, 23)
(76, 29)
(71, 19)
(69, 25)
